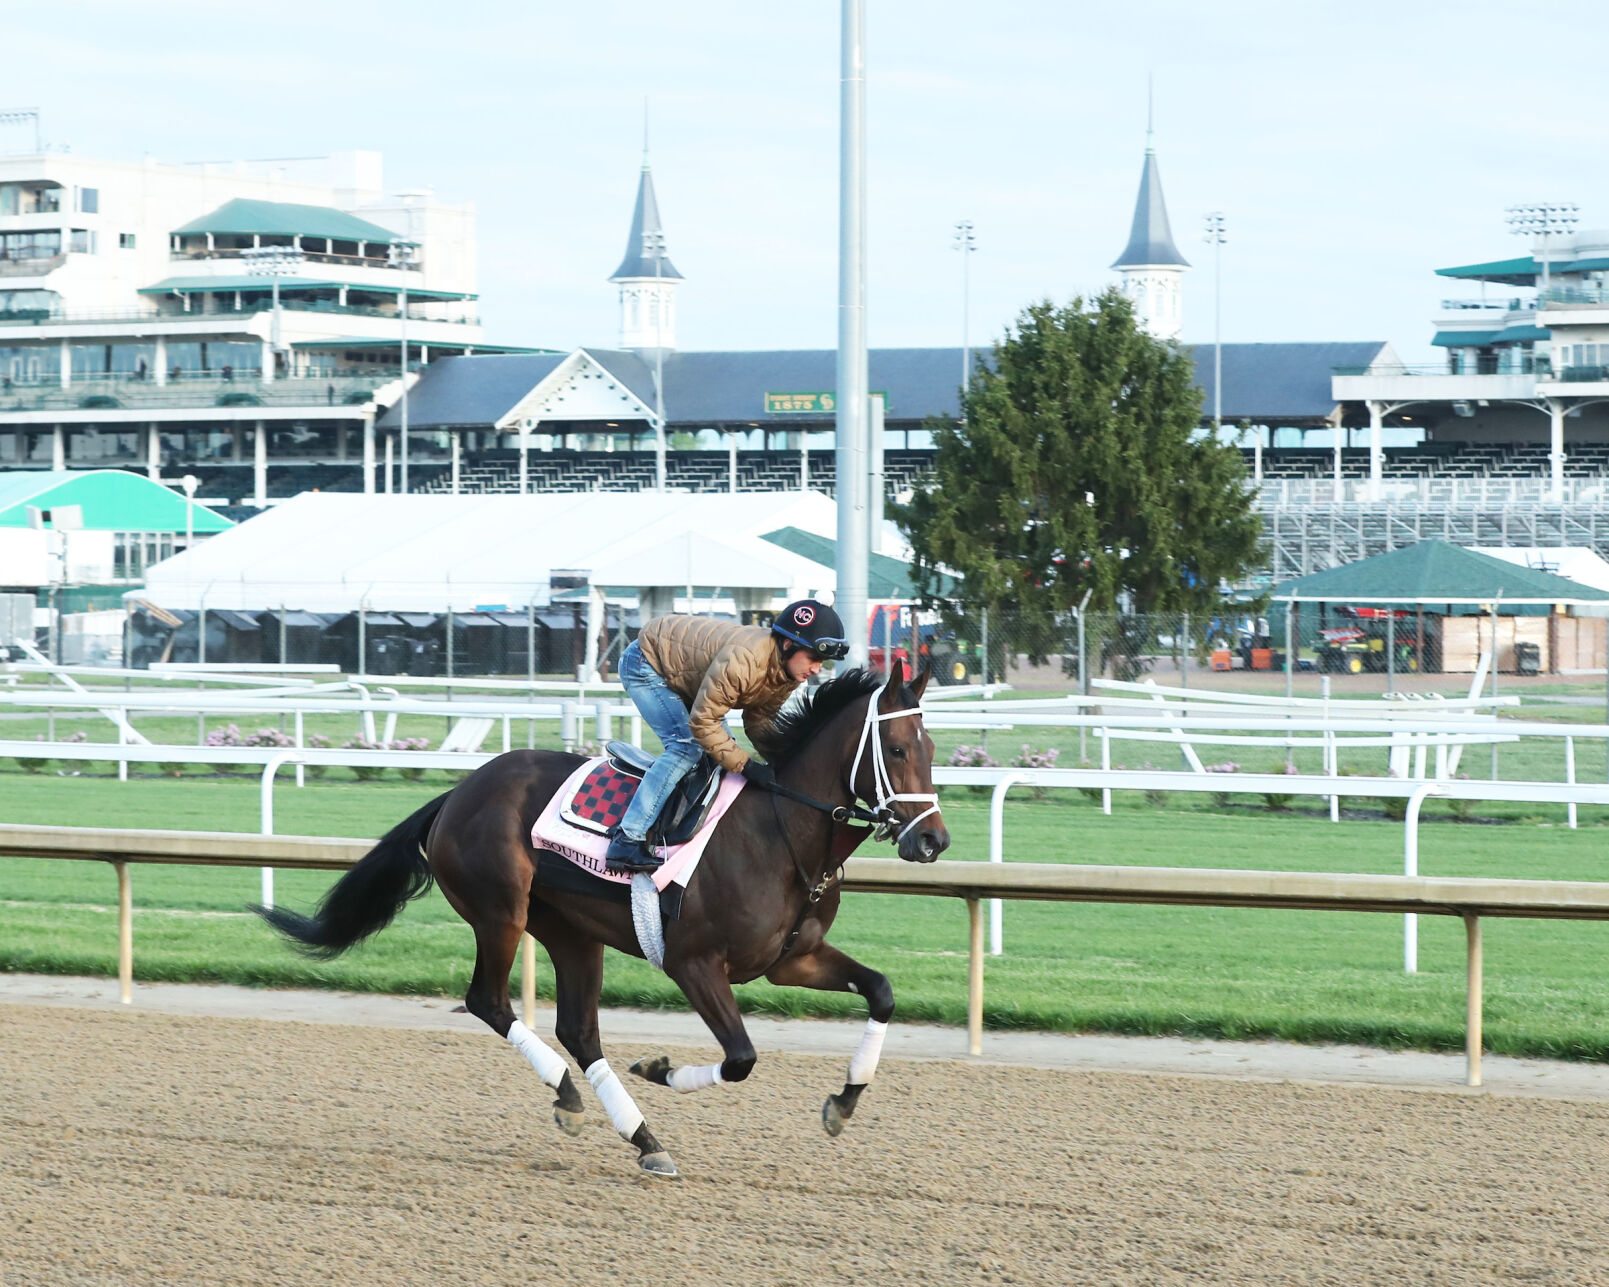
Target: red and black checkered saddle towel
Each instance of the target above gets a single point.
(600, 801)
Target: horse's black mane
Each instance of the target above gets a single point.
(803, 720)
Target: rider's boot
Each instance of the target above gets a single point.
(629, 855)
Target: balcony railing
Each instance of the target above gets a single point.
(43, 317)
(1498, 305)
(1394, 371)
(199, 389)
(310, 256)
(30, 265)
(1575, 294)
(1584, 374)
(1439, 493)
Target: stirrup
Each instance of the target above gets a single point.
(626, 855)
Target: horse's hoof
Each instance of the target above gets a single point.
(659, 1163)
(656, 1070)
(832, 1117)
(571, 1123)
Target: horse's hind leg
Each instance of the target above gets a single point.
(829, 970)
(578, 978)
(488, 1000)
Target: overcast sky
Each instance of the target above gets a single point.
(1353, 148)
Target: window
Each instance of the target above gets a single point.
(82, 242)
(88, 199)
(125, 241)
(45, 244)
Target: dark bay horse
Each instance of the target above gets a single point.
(759, 904)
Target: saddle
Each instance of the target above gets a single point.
(604, 794)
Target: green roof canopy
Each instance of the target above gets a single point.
(1435, 572)
(1463, 339)
(1510, 272)
(201, 285)
(445, 346)
(887, 578)
(113, 500)
(244, 218)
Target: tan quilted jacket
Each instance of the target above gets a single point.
(716, 667)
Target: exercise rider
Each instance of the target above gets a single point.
(685, 673)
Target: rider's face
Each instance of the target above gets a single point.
(801, 664)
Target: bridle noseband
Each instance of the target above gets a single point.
(882, 783)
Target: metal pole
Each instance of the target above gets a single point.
(1472, 1002)
(404, 321)
(1290, 648)
(1497, 604)
(875, 480)
(273, 356)
(851, 407)
(986, 652)
(1391, 650)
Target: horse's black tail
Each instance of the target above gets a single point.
(367, 898)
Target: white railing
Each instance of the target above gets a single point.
(1467, 493)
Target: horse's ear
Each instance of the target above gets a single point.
(889, 698)
(921, 682)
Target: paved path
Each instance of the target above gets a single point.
(1260, 1060)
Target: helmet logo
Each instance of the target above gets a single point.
(803, 615)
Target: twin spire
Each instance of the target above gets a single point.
(1151, 265)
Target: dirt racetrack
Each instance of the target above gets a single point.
(140, 1148)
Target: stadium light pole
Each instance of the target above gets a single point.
(653, 246)
(1540, 221)
(272, 262)
(852, 407)
(1215, 237)
(967, 243)
(403, 255)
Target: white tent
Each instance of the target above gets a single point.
(337, 552)
(1573, 561)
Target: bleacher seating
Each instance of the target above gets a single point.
(685, 471)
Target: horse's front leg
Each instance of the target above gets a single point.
(703, 981)
(827, 969)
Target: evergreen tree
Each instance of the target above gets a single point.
(1080, 465)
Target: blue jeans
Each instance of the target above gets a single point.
(667, 715)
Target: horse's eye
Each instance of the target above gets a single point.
(898, 752)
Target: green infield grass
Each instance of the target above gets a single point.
(1304, 976)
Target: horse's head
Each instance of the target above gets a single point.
(900, 775)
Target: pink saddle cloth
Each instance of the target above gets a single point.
(594, 798)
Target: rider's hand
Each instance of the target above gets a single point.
(759, 773)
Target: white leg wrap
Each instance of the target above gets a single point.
(623, 1112)
(549, 1066)
(689, 1079)
(863, 1067)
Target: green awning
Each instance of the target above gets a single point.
(459, 346)
(202, 285)
(887, 578)
(1435, 572)
(1523, 333)
(1463, 339)
(245, 218)
(111, 500)
(1509, 272)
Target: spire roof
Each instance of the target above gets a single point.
(1150, 238)
(647, 240)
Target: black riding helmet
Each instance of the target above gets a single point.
(812, 625)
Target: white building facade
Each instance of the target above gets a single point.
(138, 319)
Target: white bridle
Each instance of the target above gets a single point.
(881, 782)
